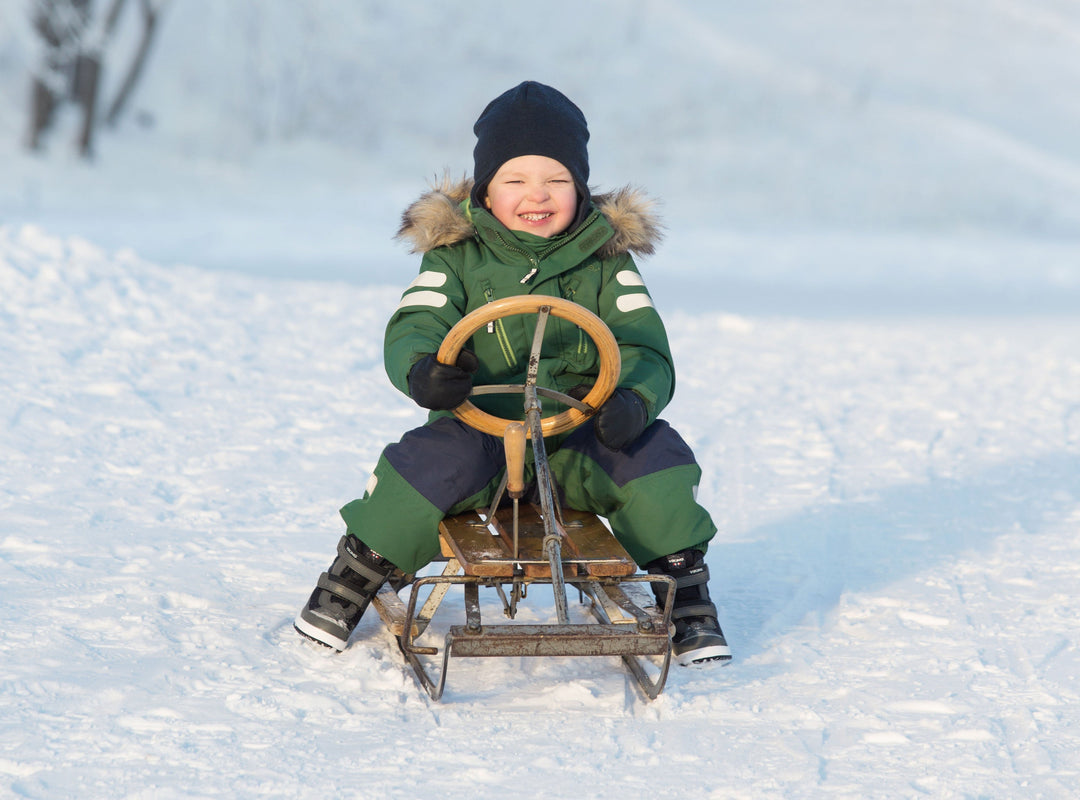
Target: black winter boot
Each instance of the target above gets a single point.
(343, 593)
(697, 638)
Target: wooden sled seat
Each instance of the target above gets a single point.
(485, 547)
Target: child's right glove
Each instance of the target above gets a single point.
(620, 420)
(439, 386)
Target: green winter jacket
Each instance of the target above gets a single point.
(470, 258)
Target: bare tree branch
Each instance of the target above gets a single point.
(150, 18)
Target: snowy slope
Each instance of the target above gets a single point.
(899, 506)
(871, 283)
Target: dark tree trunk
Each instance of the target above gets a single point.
(87, 80)
(73, 61)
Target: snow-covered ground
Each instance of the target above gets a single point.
(900, 512)
(871, 284)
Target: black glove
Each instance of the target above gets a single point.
(620, 420)
(442, 386)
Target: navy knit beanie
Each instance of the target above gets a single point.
(530, 120)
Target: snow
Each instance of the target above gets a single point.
(870, 281)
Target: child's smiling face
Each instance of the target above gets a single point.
(535, 194)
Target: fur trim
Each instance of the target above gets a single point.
(632, 214)
(435, 219)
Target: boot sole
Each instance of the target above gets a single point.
(710, 654)
(318, 635)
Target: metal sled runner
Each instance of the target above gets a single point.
(512, 549)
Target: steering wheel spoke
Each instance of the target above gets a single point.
(543, 391)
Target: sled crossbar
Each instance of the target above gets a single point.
(625, 627)
(555, 640)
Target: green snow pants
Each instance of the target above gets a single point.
(646, 492)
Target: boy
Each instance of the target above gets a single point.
(527, 224)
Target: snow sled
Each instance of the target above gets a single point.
(513, 546)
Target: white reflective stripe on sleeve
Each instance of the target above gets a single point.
(423, 298)
(629, 278)
(428, 278)
(373, 481)
(632, 302)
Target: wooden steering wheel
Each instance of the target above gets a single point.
(579, 412)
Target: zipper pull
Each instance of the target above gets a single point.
(489, 295)
(530, 275)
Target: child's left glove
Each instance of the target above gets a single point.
(620, 420)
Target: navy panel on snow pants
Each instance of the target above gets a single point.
(646, 492)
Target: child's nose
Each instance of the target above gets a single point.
(538, 191)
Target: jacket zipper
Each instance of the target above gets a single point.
(535, 260)
(499, 330)
(521, 251)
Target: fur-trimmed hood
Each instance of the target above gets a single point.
(436, 219)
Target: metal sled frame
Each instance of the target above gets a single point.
(627, 624)
(485, 548)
